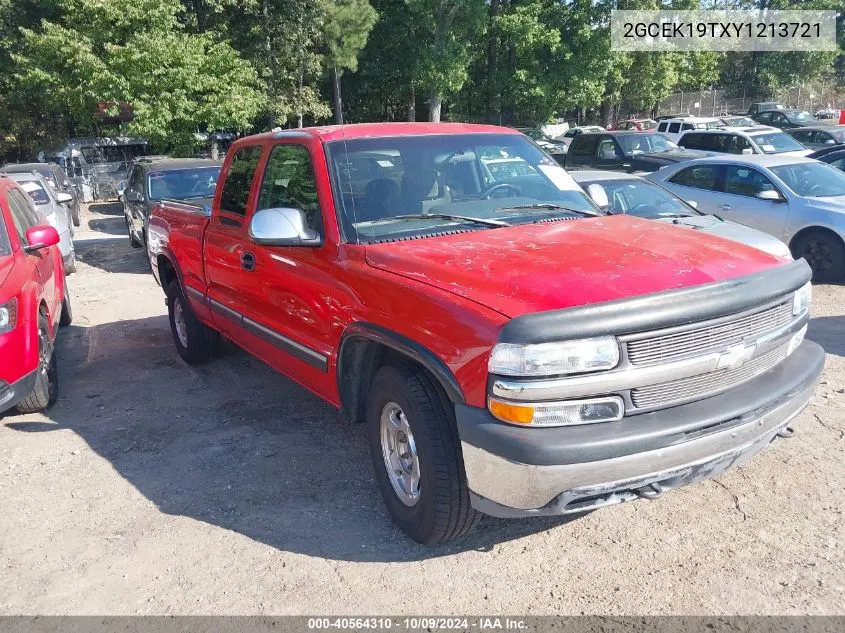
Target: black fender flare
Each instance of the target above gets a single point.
(408, 347)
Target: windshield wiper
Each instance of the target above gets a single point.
(546, 206)
(440, 216)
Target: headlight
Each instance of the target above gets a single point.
(8, 316)
(564, 413)
(551, 359)
(802, 298)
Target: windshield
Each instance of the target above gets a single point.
(5, 247)
(642, 199)
(799, 116)
(183, 184)
(642, 143)
(814, 180)
(648, 125)
(776, 142)
(497, 177)
(36, 192)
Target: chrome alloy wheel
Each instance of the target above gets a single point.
(400, 454)
(179, 322)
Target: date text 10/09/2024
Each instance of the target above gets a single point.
(418, 623)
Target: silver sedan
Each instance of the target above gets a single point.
(51, 203)
(797, 200)
(626, 193)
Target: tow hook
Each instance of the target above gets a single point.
(651, 491)
(786, 432)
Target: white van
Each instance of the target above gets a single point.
(673, 128)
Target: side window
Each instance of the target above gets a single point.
(839, 163)
(822, 138)
(765, 117)
(23, 216)
(777, 117)
(739, 143)
(744, 181)
(674, 127)
(698, 177)
(662, 127)
(687, 126)
(235, 194)
(584, 145)
(690, 140)
(289, 182)
(607, 150)
(802, 136)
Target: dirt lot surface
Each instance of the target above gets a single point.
(156, 488)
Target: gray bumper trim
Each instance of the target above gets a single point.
(508, 489)
(17, 391)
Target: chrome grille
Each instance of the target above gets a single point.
(708, 338)
(695, 387)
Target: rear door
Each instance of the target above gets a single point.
(228, 253)
(287, 308)
(700, 183)
(742, 185)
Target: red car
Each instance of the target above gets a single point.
(643, 125)
(509, 348)
(33, 303)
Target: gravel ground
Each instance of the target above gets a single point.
(156, 488)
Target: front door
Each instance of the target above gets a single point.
(741, 203)
(287, 310)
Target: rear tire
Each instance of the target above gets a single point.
(824, 252)
(75, 214)
(46, 389)
(195, 342)
(413, 435)
(70, 267)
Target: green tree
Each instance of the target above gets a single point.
(135, 51)
(348, 25)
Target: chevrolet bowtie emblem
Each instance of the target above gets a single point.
(735, 356)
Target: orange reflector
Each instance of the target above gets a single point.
(514, 413)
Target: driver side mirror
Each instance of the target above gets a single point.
(282, 227)
(692, 203)
(747, 151)
(133, 196)
(771, 195)
(38, 237)
(63, 198)
(599, 195)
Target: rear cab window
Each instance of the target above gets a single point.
(240, 173)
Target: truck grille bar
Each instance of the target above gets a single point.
(709, 338)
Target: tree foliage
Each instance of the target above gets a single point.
(189, 66)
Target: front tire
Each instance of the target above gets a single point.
(75, 214)
(824, 252)
(46, 389)
(195, 342)
(416, 453)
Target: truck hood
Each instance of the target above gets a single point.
(554, 265)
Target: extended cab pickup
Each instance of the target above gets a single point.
(511, 350)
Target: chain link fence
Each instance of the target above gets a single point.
(711, 103)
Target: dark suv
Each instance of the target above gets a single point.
(756, 108)
(625, 151)
(55, 177)
(156, 179)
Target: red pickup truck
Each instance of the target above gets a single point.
(510, 349)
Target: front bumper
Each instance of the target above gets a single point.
(11, 394)
(515, 471)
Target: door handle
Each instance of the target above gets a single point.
(725, 207)
(248, 261)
